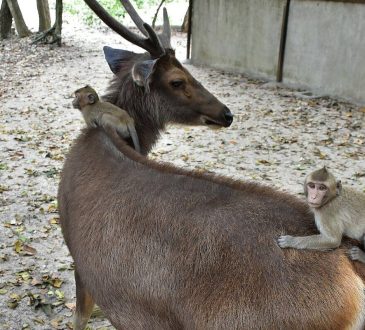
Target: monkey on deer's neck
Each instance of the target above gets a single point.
(104, 114)
(337, 210)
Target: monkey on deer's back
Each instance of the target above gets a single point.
(104, 114)
(338, 211)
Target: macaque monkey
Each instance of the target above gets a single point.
(98, 113)
(337, 211)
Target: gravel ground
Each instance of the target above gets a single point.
(278, 135)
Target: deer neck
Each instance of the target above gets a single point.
(146, 110)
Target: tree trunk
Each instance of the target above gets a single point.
(54, 34)
(155, 17)
(5, 20)
(58, 22)
(20, 25)
(185, 24)
(44, 15)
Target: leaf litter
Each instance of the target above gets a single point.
(277, 137)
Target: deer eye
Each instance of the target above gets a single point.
(176, 83)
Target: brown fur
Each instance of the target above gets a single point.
(159, 247)
(320, 175)
(151, 111)
(186, 250)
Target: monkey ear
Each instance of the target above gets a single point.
(117, 57)
(338, 187)
(91, 98)
(142, 73)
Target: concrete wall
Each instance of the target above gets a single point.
(239, 35)
(325, 48)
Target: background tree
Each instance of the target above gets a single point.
(156, 14)
(44, 15)
(16, 14)
(185, 24)
(54, 34)
(10, 10)
(5, 20)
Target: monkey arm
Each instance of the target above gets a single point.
(314, 242)
(330, 228)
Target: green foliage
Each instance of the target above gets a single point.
(114, 7)
(79, 8)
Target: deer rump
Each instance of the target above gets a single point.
(164, 250)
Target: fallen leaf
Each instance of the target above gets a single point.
(56, 282)
(28, 250)
(18, 246)
(71, 306)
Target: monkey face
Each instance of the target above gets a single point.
(317, 194)
(76, 102)
(320, 187)
(84, 96)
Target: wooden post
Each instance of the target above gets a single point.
(284, 30)
(189, 29)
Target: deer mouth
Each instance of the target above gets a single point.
(214, 123)
(209, 122)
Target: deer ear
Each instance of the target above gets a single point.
(142, 73)
(117, 57)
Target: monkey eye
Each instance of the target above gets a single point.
(311, 185)
(322, 187)
(176, 83)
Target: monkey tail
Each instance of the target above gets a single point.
(122, 146)
(134, 136)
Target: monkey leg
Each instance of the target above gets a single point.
(113, 121)
(357, 254)
(84, 305)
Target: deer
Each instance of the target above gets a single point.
(160, 247)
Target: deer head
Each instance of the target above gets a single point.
(154, 87)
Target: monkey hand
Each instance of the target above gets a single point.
(356, 253)
(286, 241)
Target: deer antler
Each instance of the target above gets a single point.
(134, 16)
(165, 36)
(152, 44)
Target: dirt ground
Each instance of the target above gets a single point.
(278, 135)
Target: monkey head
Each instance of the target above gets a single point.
(320, 187)
(84, 96)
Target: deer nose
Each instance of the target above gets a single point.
(228, 116)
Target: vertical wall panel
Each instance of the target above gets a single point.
(240, 35)
(325, 47)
